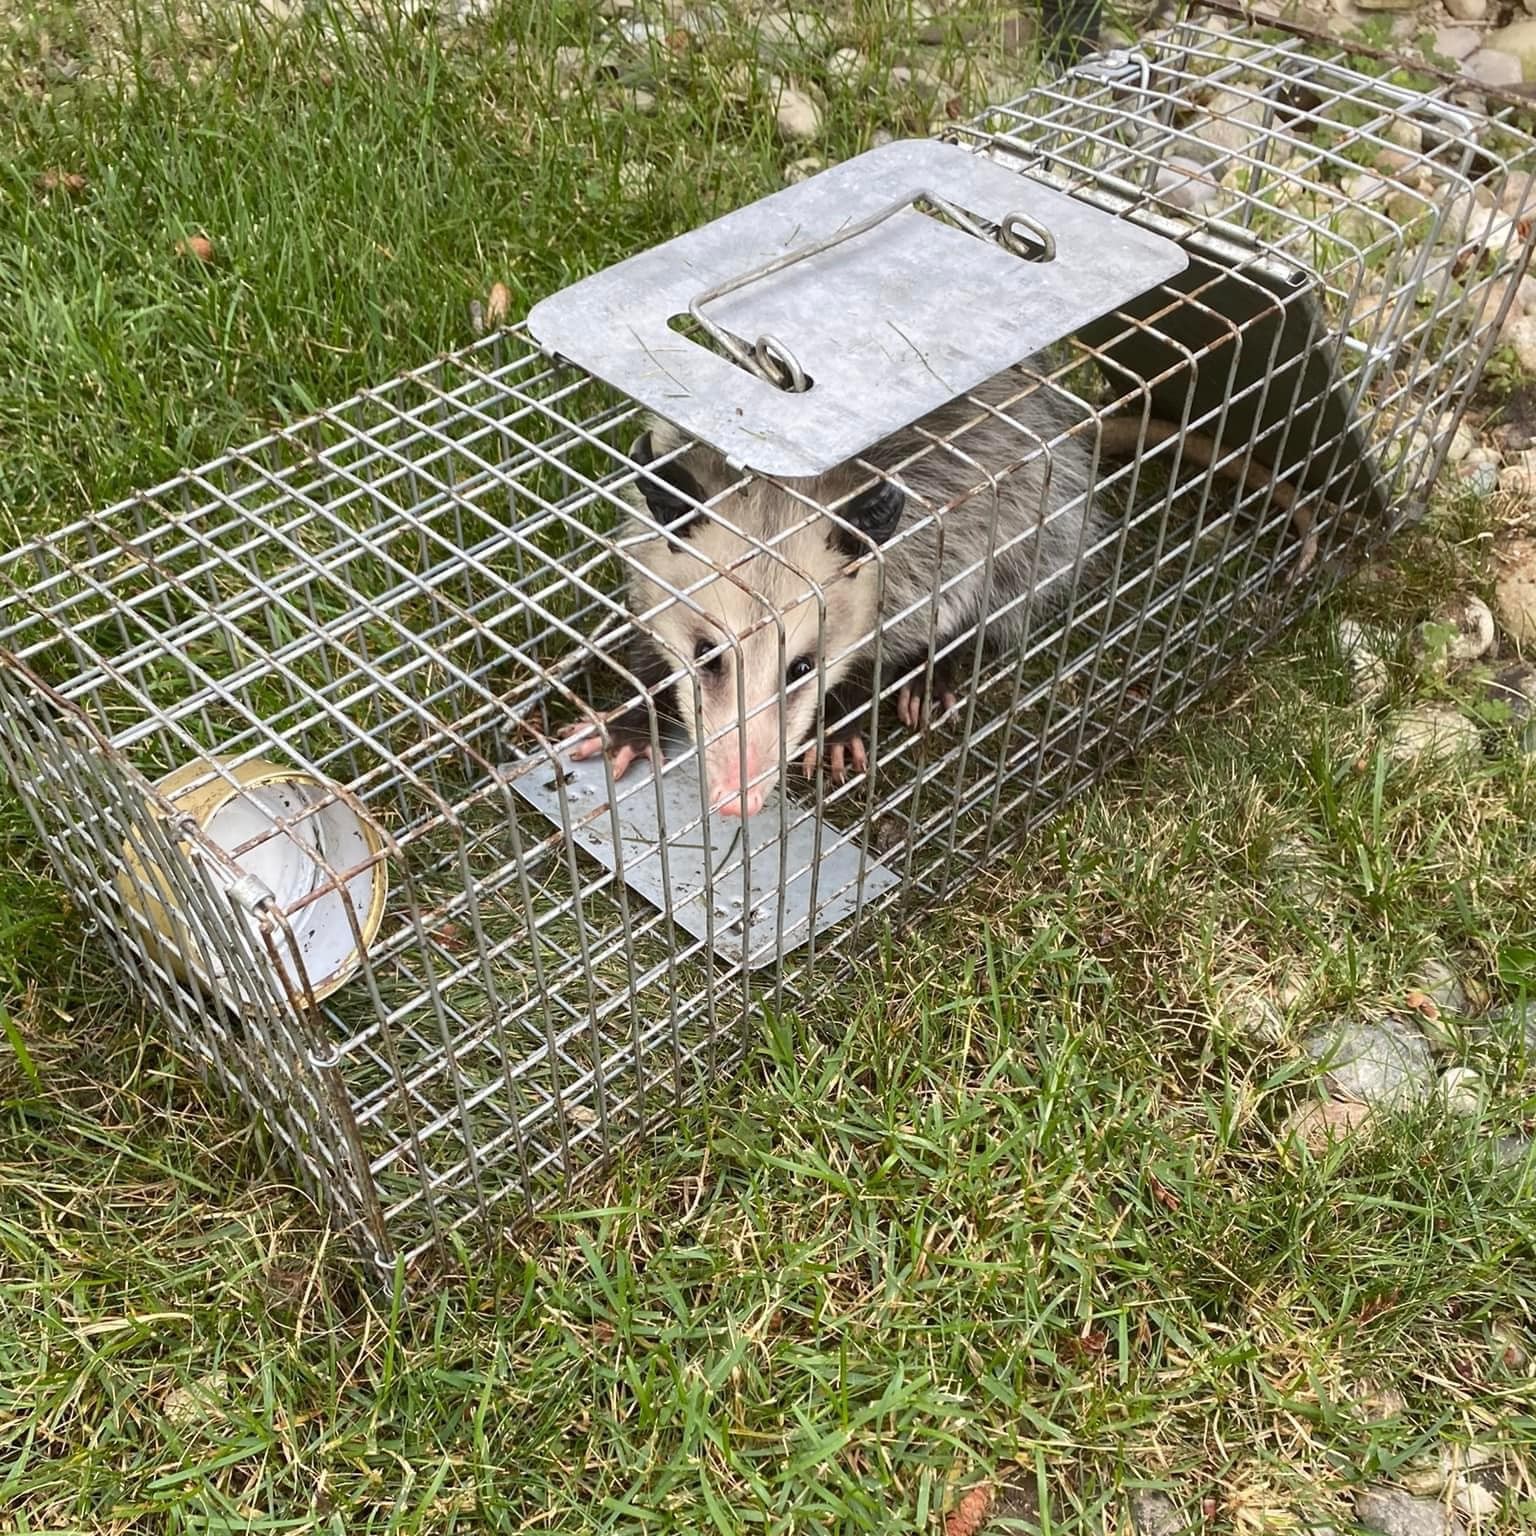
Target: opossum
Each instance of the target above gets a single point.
(766, 556)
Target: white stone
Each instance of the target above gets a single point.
(1185, 183)
(797, 115)
(1461, 630)
(1462, 1090)
(1514, 593)
(1519, 39)
(1377, 1061)
(847, 67)
(1463, 441)
(1522, 337)
(1391, 1512)
(803, 170)
(1232, 121)
(1431, 732)
(1467, 10)
(1406, 134)
(1493, 67)
(1362, 654)
(1457, 42)
(1318, 1124)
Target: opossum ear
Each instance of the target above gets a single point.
(664, 489)
(875, 514)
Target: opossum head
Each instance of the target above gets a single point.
(761, 598)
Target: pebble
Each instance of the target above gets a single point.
(1463, 441)
(1463, 1091)
(1319, 1124)
(1362, 654)
(1377, 1061)
(1153, 1513)
(848, 66)
(1462, 630)
(1481, 479)
(1441, 985)
(1518, 39)
(802, 170)
(1431, 731)
(1493, 67)
(1467, 10)
(1391, 1512)
(1253, 1014)
(1457, 42)
(1232, 121)
(1514, 593)
(1185, 184)
(1511, 1151)
(797, 116)
(1509, 1343)
(1521, 335)
(1379, 1403)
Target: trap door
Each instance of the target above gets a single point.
(795, 333)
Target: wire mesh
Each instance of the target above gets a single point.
(408, 598)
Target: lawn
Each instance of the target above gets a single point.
(1016, 1211)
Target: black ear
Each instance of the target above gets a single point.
(874, 513)
(666, 488)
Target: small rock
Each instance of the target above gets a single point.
(1387, 5)
(1513, 1355)
(1362, 654)
(1481, 479)
(200, 1401)
(1391, 1512)
(1521, 335)
(1441, 985)
(1378, 1403)
(1467, 10)
(1431, 732)
(1519, 39)
(636, 178)
(1514, 593)
(881, 137)
(1406, 134)
(1185, 183)
(638, 100)
(1232, 121)
(797, 116)
(1253, 1014)
(1494, 68)
(1512, 1151)
(802, 170)
(1377, 1061)
(1319, 1124)
(1518, 192)
(1153, 1513)
(1463, 1092)
(848, 66)
(1463, 441)
(1456, 42)
(1297, 871)
(1461, 631)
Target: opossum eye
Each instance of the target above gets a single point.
(801, 666)
(702, 649)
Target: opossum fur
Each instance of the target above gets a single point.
(1003, 479)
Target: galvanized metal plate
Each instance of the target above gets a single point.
(888, 324)
(746, 920)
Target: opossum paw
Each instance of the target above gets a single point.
(917, 713)
(625, 753)
(842, 751)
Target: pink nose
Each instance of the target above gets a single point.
(725, 781)
(753, 799)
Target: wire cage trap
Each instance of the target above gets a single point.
(1081, 407)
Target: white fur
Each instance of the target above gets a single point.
(765, 558)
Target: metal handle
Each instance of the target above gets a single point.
(770, 359)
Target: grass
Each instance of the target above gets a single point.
(1014, 1209)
